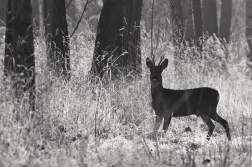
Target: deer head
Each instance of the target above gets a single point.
(156, 71)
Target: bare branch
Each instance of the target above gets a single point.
(68, 4)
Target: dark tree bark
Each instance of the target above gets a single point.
(19, 60)
(57, 39)
(249, 32)
(188, 21)
(131, 36)
(225, 21)
(108, 43)
(198, 20)
(210, 24)
(177, 20)
(117, 45)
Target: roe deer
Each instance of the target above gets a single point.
(169, 103)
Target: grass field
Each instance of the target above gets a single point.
(62, 133)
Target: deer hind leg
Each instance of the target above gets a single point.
(223, 122)
(210, 125)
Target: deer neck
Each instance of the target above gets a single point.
(156, 89)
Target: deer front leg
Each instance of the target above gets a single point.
(166, 123)
(157, 123)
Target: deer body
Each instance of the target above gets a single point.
(169, 103)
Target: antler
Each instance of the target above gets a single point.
(153, 59)
(161, 59)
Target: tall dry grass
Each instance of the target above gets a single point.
(81, 124)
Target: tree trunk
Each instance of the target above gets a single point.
(198, 21)
(210, 24)
(188, 21)
(177, 34)
(36, 17)
(225, 21)
(117, 46)
(57, 39)
(19, 60)
(177, 20)
(249, 32)
(131, 36)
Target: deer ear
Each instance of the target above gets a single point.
(164, 64)
(149, 62)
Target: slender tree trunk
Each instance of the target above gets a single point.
(198, 21)
(188, 21)
(57, 39)
(117, 46)
(225, 21)
(41, 17)
(177, 20)
(19, 60)
(36, 17)
(177, 34)
(210, 24)
(249, 32)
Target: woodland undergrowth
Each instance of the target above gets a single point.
(83, 124)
